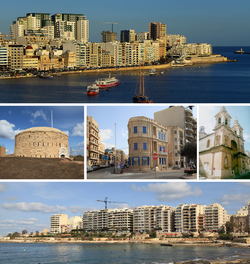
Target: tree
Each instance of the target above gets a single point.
(189, 151)
(230, 226)
(24, 232)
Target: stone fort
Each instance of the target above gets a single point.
(42, 142)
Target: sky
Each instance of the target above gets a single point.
(220, 23)
(242, 113)
(69, 119)
(29, 205)
(108, 116)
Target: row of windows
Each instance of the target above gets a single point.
(144, 130)
(41, 144)
(145, 161)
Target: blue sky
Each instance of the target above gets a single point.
(242, 113)
(107, 116)
(220, 23)
(69, 119)
(29, 205)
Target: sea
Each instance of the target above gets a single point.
(207, 83)
(48, 253)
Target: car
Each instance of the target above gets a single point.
(89, 168)
(190, 170)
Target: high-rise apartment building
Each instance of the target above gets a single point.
(128, 35)
(157, 31)
(153, 217)
(92, 141)
(58, 223)
(215, 217)
(108, 36)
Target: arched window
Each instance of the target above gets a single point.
(226, 121)
(219, 120)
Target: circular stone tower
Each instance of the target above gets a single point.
(42, 142)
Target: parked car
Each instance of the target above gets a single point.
(190, 170)
(89, 168)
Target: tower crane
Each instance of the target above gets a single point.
(109, 23)
(106, 202)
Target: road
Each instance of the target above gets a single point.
(106, 173)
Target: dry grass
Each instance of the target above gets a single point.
(35, 168)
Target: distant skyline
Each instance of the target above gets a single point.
(220, 23)
(242, 113)
(69, 119)
(108, 116)
(29, 205)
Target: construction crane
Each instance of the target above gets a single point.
(109, 23)
(106, 202)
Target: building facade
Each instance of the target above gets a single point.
(222, 154)
(92, 141)
(58, 223)
(42, 142)
(145, 137)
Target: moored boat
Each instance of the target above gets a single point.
(141, 97)
(152, 72)
(46, 76)
(92, 89)
(108, 82)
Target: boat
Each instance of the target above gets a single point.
(152, 72)
(108, 82)
(46, 76)
(241, 52)
(92, 89)
(162, 72)
(141, 97)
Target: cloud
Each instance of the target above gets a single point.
(33, 207)
(124, 133)
(108, 146)
(81, 144)
(105, 134)
(3, 187)
(239, 198)
(7, 130)
(169, 191)
(80, 209)
(12, 198)
(8, 152)
(246, 137)
(38, 113)
(206, 117)
(78, 130)
(66, 132)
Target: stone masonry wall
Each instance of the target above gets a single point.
(41, 144)
(2, 151)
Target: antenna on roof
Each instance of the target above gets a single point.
(51, 119)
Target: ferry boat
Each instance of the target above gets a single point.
(92, 89)
(241, 52)
(46, 76)
(109, 82)
(141, 97)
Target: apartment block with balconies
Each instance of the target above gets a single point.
(92, 141)
(58, 223)
(215, 217)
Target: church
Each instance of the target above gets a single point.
(222, 154)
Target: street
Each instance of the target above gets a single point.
(107, 173)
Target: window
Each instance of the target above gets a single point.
(135, 130)
(176, 163)
(175, 146)
(164, 137)
(145, 161)
(144, 130)
(135, 161)
(226, 121)
(208, 143)
(144, 146)
(175, 131)
(160, 148)
(159, 135)
(175, 139)
(219, 120)
(164, 149)
(176, 154)
(135, 146)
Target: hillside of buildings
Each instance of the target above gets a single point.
(35, 168)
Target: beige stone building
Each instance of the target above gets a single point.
(15, 57)
(222, 154)
(2, 151)
(29, 60)
(215, 217)
(42, 142)
(145, 137)
(189, 218)
(153, 217)
(58, 223)
(92, 141)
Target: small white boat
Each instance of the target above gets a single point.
(152, 72)
(92, 89)
(109, 82)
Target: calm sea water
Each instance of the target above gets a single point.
(109, 254)
(210, 83)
